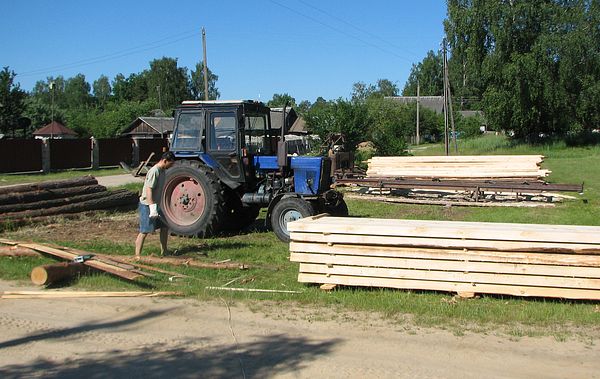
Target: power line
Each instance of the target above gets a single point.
(340, 31)
(354, 26)
(116, 55)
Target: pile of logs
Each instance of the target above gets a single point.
(50, 198)
(504, 167)
(561, 261)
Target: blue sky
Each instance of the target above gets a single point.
(307, 48)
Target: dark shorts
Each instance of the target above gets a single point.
(147, 224)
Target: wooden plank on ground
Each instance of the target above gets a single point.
(80, 294)
(111, 269)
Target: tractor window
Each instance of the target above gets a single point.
(223, 136)
(189, 132)
(255, 129)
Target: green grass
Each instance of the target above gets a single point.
(7, 179)
(406, 310)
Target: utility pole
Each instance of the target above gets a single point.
(446, 146)
(52, 85)
(418, 104)
(448, 98)
(205, 65)
(160, 105)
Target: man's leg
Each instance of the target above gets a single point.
(164, 235)
(139, 244)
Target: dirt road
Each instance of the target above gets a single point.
(145, 337)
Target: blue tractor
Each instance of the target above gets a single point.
(231, 163)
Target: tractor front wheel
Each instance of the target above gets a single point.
(288, 210)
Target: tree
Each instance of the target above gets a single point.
(361, 91)
(341, 117)
(197, 83)
(12, 102)
(167, 83)
(386, 88)
(534, 64)
(429, 75)
(77, 92)
(102, 89)
(280, 99)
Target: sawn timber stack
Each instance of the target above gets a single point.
(503, 167)
(561, 261)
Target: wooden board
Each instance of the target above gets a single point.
(449, 265)
(464, 255)
(451, 276)
(445, 243)
(567, 293)
(563, 234)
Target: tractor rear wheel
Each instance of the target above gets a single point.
(192, 200)
(288, 210)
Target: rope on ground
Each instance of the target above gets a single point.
(237, 345)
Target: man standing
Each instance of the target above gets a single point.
(148, 207)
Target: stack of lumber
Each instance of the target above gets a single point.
(459, 167)
(40, 200)
(466, 257)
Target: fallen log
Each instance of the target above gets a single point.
(47, 194)
(16, 251)
(19, 207)
(57, 272)
(183, 262)
(80, 294)
(47, 185)
(111, 199)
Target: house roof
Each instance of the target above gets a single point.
(434, 103)
(54, 128)
(155, 125)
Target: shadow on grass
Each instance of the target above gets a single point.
(265, 357)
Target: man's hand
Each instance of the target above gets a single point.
(153, 210)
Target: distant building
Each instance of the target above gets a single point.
(294, 123)
(150, 127)
(54, 130)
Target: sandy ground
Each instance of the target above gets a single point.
(150, 337)
(118, 180)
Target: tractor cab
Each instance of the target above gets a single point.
(224, 135)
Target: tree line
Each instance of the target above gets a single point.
(105, 107)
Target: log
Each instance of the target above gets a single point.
(33, 196)
(46, 185)
(16, 251)
(111, 199)
(57, 272)
(183, 262)
(19, 207)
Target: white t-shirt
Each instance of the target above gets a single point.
(153, 180)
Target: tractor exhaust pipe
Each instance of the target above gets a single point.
(282, 160)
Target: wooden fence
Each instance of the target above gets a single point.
(30, 155)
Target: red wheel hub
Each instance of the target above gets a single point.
(184, 200)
